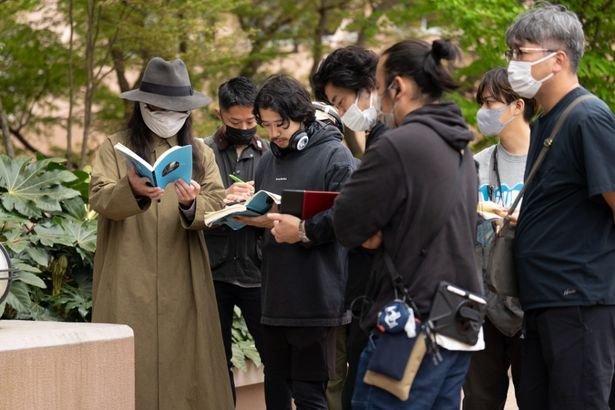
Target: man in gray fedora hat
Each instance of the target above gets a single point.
(151, 268)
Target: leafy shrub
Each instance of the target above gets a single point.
(243, 344)
(50, 237)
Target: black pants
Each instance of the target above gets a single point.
(299, 362)
(356, 340)
(486, 383)
(249, 301)
(568, 358)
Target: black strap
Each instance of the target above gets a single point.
(496, 170)
(168, 90)
(545, 149)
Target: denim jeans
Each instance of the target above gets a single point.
(436, 387)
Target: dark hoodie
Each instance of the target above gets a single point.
(303, 284)
(415, 183)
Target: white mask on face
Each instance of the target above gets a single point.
(165, 124)
(520, 77)
(358, 120)
(489, 120)
(385, 118)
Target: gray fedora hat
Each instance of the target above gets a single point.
(166, 84)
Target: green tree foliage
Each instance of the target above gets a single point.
(221, 39)
(479, 28)
(32, 71)
(50, 237)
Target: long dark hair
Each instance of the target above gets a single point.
(142, 141)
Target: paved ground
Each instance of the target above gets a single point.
(251, 398)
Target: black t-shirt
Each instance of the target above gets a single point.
(565, 243)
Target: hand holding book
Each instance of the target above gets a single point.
(141, 186)
(251, 212)
(187, 193)
(285, 227)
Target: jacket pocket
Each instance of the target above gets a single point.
(217, 246)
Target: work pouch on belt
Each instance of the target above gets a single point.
(399, 351)
(457, 313)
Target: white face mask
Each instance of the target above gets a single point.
(358, 120)
(488, 120)
(520, 77)
(165, 124)
(385, 118)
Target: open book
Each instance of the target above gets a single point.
(487, 209)
(260, 203)
(173, 164)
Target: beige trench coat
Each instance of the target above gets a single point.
(151, 272)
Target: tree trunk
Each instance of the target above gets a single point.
(6, 134)
(71, 90)
(120, 71)
(89, 84)
(318, 33)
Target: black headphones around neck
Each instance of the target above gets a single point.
(297, 142)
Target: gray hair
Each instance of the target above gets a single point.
(550, 25)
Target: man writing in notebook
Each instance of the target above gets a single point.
(304, 267)
(235, 256)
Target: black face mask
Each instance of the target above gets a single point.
(237, 136)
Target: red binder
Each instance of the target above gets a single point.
(305, 204)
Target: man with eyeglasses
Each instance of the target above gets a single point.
(565, 243)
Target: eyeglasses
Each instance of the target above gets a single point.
(517, 53)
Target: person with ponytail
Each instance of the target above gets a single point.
(421, 179)
(151, 268)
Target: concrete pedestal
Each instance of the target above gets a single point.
(67, 366)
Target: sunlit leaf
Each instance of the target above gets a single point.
(31, 189)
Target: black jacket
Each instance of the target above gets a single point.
(303, 285)
(415, 181)
(235, 256)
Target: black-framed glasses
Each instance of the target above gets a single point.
(517, 53)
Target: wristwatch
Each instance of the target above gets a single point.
(302, 236)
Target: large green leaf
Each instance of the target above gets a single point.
(38, 254)
(12, 217)
(83, 234)
(31, 189)
(30, 279)
(52, 234)
(15, 240)
(76, 208)
(19, 297)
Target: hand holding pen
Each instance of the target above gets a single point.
(239, 191)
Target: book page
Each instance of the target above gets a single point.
(260, 203)
(142, 167)
(487, 209)
(175, 163)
